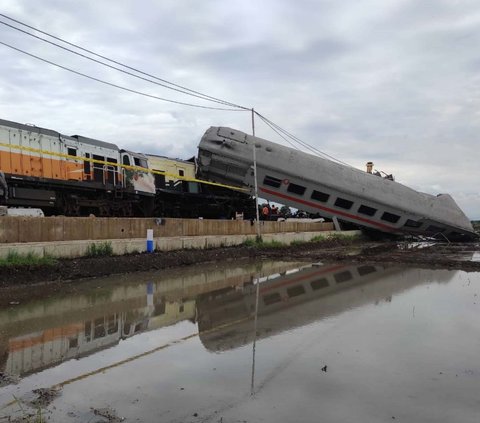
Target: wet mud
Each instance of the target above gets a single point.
(446, 256)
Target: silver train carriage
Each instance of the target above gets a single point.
(333, 190)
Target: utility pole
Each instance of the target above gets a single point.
(259, 235)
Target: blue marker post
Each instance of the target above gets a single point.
(150, 246)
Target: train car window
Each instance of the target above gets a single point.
(343, 204)
(98, 168)
(320, 196)
(159, 179)
(365, 270)
(319, 284)
(436, 229)
(390, 217)
(271, 298)
(111, 160)
(71, 151)
(159, 309)
(369, 211)
(126, 160)
(272, 182)
(296, 189)
(295, 291)
(136, 161)
(412, 224)
(342, 276)
(86, 164)
(88, 331)
(181, 172)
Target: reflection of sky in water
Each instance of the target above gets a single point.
(404, 346)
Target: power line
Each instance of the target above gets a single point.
(299, 141)
(197, 93)
(115, 85)
(116, 68)
(175, 87)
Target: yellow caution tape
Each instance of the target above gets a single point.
(128, 167)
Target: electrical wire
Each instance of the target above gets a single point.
(118, 69)
(298, 140)
(116, 85)
(175, 87)
(197, 93)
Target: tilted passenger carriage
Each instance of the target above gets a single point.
(317, 185)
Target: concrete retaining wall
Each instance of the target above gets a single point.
(79, 248)
(53, 229)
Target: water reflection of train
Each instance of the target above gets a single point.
(38, 335)
(297, 298)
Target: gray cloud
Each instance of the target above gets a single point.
(396, 83)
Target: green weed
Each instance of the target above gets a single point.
(14, 258)
(263, 244)
(101, 249)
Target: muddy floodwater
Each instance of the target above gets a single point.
(245, 341)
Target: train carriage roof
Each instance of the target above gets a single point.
(28, 127)
(97, 143)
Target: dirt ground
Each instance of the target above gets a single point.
(451, 256)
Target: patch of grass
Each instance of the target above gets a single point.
(343, 238)
(260, 243)
(29, 417)
(15, 259)
(318, 238)
(250, 243)
(99, 250)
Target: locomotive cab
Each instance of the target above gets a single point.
(136, 173)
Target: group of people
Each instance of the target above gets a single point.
(268, 212)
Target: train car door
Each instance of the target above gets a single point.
(136, 178)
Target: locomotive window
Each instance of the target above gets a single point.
(343, 276)
(390, 217)
(86, 164)
(369, 211)
(126, 160)
(412, 224)
(319, 284)
(272, 298)
(343, 204)
(71, 151)
(320, 196)
(159, 179)
(365, 270)
(295, 291)
(136, 160)
(271, 181)
(181, 172)
(111, 160)
(296, 189)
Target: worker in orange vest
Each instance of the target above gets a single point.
(265, 212)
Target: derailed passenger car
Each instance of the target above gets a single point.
(318, 185)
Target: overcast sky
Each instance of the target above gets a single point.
(394, 82)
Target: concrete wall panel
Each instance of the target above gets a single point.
(51, 229)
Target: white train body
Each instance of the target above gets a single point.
(317, 185)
